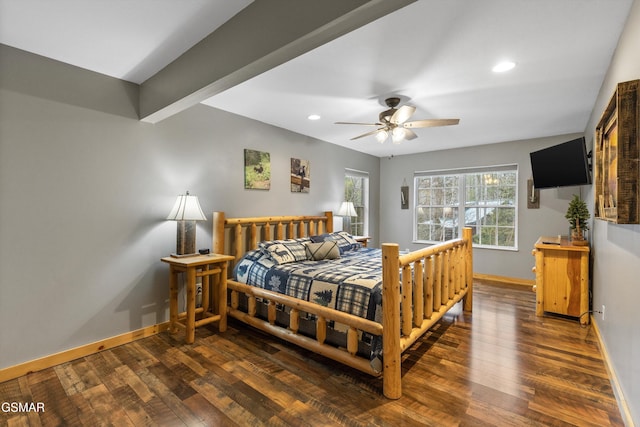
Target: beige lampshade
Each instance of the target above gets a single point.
(187, 208)
(186, 211)
(347, 209)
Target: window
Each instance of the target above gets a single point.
(356, 190)
(437, 207)
(484, 199)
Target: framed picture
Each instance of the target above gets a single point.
(404, 197)
(616, 166)
(257, 170)
(300, 176)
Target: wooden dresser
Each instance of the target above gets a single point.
(562, 278)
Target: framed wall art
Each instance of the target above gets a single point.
(404, 195)
(617, 150)
(300, 176)
(257, 170)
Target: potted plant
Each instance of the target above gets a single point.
(578, 215)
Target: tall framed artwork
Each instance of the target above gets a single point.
(617, 148)
(300, 176)
(404, 196)
(257, 170)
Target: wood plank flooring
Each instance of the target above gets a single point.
(500, 366)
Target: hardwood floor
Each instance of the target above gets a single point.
(500, 366)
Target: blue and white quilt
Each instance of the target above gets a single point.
(351, 283)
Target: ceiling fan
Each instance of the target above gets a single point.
(393, 122)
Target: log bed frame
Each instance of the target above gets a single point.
(445, 271)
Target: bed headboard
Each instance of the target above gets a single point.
(236, 236)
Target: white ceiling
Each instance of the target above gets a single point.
(437, 55)
(128, 39)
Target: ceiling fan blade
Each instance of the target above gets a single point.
(362, 124)
(431, 123)
(368, 133)
(409, 134)
(402, 115)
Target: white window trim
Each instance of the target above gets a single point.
(462, 171)
(362, 174)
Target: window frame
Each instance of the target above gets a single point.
(353, 173)
(462, 206)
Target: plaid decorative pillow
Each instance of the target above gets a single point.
(285, 251)
(322, 250)
(344, 240)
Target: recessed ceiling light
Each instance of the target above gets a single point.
(503, 66)
(314, 117)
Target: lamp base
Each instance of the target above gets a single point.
(346, 224)
(186, 239)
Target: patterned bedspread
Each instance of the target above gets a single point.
(351, 283)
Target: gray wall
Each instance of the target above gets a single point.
(616, 248)
(85, 188)
(548, 220)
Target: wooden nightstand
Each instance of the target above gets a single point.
(198, 266)
(362, 239)
(562, 278)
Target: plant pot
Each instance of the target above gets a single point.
(577, 238)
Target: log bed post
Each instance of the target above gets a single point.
(329, 224)
(218, 233)
(391, 351)
(467, 236)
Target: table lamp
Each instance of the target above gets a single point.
(186, 211)
(347, 210)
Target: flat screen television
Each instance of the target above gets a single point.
(562, 165)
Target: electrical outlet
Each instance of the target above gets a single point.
(602, 312)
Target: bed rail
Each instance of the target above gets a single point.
(296, 309)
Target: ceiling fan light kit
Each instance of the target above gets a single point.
(397, 135)
(393, 122)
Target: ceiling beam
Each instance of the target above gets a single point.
(262, 36)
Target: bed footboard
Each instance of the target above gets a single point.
(434, 279)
